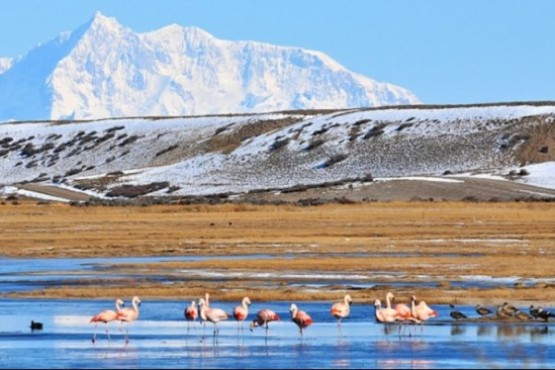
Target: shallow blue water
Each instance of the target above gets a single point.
(161, 339)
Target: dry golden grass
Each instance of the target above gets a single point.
(438, 239)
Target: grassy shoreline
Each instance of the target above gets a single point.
(423, 242)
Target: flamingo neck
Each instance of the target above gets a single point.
(412, 308)
(387, 301)
(203, 310)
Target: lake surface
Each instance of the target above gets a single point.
(162, 339)
(19, 275)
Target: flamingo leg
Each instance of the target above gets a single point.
(107, 333)
(94, 335)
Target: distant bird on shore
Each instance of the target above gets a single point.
(300, 318)
(483, 311)
(505, 311)
(540, 313)
(128, 315)
(457, 315)
(36, 325)
(105, 317)
(523, 316)
(263, 318)
(241, 312)
(342, 309)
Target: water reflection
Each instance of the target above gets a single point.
(342, 353)
(484, 330)
(458, 329)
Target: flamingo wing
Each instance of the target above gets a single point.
(104, 316)
(216, 314)
(304, 319)
(340, 310)
(403, 311)
(127, 314)
(239, 313)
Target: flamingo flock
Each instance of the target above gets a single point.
(416, 312)
(201, 310)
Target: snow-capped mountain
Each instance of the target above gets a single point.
(104, 69)
(5, 64)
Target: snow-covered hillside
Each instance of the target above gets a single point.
(238, 153)
(104, 69)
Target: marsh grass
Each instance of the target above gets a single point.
(441, 240)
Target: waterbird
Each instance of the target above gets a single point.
(263, 318)
(214, 315)
(402, 309)
(128, 315)
(36, 325)
(341, 309)
(540, 313)
(383, 315)
(483, 311)
(422, 311)
(523, 316)
(535, 311)
(505, 311)
(191, 314)
(105, 317)
(545, 315)
(457, 315)
(300, 318)
(390, 312)
(241, 312)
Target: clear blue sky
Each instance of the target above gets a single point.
(445, 51)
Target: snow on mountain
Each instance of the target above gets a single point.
(245, 152)
(5, 64)
(104, 69)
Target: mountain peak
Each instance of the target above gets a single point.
(101, 21)
(5, 64)
(104, 69)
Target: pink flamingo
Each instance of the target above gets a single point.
(129, 315)
(191, 314)
(341, 309)
(384, 315)
(106, 316)
(214, 315)
(391, 311)
(301, 318)
(421, 311)
(263, 317)
(241, 312)
(403, 310)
